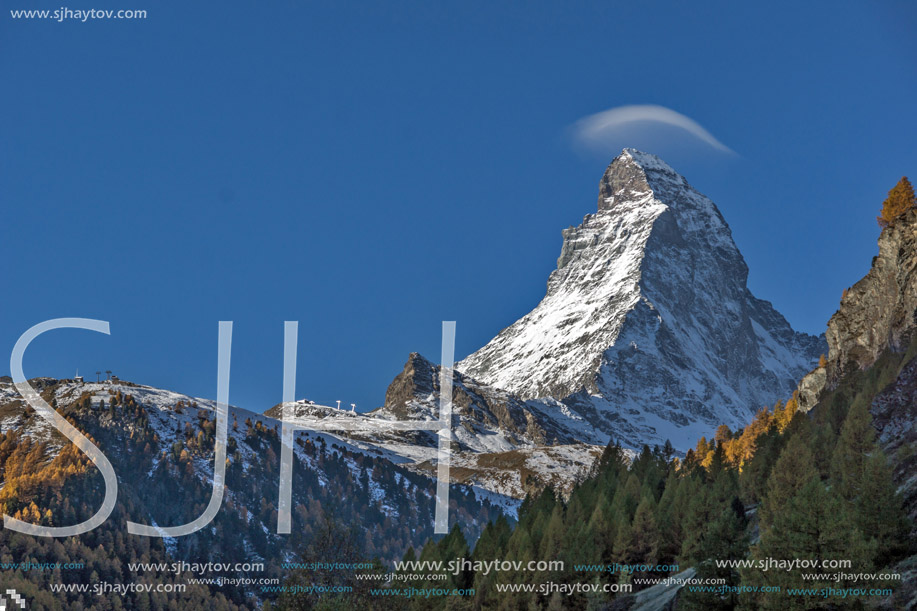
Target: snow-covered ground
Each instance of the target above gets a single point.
(499, 466)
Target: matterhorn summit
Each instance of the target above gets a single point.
(648, 329)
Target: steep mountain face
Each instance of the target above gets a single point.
(648, 329)
(876, 314)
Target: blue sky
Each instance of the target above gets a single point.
(371, 169)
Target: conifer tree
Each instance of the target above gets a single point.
(811, 525)
(638, 543)
(697, 515)
(454, 547)
(783, 416)
(863, 478)
(626, 498)
(723, 433)
(822, 441)
(554, 536)
(668, 450)
(793, 470)
(725, 539)
(669, 516)
(603, 528)
(880, 512)
(856, 441)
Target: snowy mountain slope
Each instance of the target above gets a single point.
(495, 435)
(648, 329)
(161, 445)
(170, 415)
(527, 470)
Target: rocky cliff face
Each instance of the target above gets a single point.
(894, 412)
(648, 329)
(876, 314)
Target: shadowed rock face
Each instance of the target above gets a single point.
(894, 413)
(647, 327)
(876, 314)
(419, 382)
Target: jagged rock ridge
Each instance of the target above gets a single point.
(876, 319)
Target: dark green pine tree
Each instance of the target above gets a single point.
(638, 542)
(555, 537)
(698, 511)
(669, 516)
(880, 510)
(793, 470)
(725, 539)
(863, 478)
(603, 527)
(491, 545)
(626, 498)
(410, 555)
(813, 525)
(454, 547)
(856, 441)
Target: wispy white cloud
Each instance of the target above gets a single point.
(602, 126)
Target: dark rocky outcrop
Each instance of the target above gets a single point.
(414, 394)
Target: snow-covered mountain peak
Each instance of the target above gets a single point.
(647, 320)
(647, 161)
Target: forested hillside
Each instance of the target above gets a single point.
(161, 446)
(787, 486)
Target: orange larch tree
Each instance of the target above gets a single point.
(900, 199)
